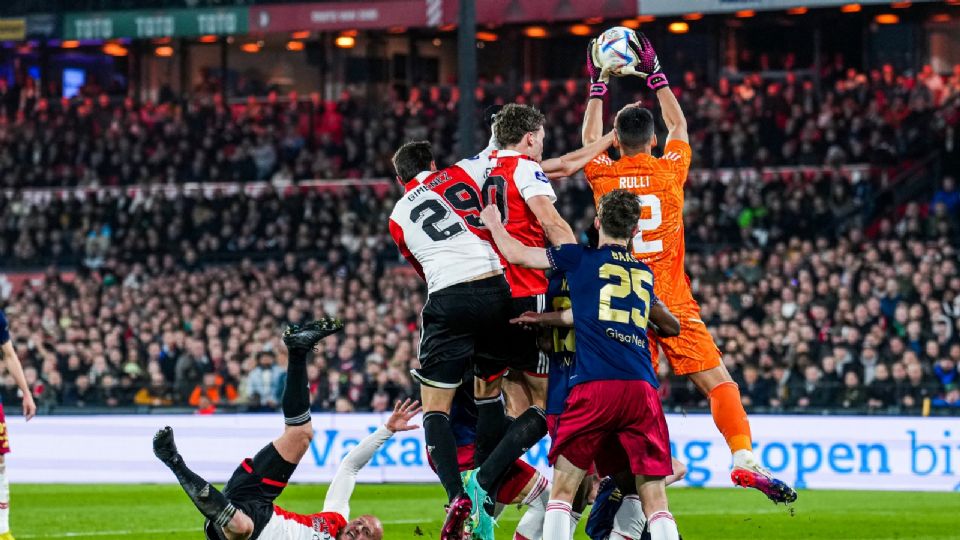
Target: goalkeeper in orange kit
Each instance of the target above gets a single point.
(659, 242)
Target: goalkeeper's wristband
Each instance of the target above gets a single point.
(598, 90)
(657, 81)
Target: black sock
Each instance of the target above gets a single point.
(442, 448)
(296, 394)
(491, 426)
(522, 434)
(208, 500)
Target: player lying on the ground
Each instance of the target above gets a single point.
(245, 509)
(659, 242)
(612, 416)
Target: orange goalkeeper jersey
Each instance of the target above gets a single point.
(658, 183)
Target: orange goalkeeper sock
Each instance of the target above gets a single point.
(729, 416)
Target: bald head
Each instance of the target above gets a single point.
(364, 527)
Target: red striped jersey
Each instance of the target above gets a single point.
(519, 178)
(284, 525)
(436, 225)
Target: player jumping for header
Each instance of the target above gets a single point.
(245, 509)
(658, 184)
(612, 416)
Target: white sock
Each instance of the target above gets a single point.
(574, 521)
(663, 527)
(629, 519)
(531, 524)
(4, 500)
(556, 524)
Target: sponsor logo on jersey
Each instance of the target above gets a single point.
(632, 339)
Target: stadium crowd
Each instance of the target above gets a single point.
(851, 117)
(179, 301)
(809, 315)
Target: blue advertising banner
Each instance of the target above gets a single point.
(811, 452)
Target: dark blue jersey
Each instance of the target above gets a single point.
(463, 415)
(564, 347)
(611, 293)
(4, 328)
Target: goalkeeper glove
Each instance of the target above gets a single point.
(648, 65)
(598, 76)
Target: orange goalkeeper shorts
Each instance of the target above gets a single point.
(693, 350)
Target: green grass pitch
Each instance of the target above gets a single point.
(154, 512)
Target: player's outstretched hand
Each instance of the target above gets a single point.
(527, 318)
(598, 72)
(648, 64)
(29, 407)
(402, 413)
(490, 215)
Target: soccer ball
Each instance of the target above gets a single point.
(612, 50)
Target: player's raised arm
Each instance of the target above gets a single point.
(593, 117)
(571, 162)
(341, 488)
(511, 249)
(665, 324)
(648, 68)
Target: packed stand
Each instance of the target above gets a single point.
(809, 316)
(851, 117)
(172, 329)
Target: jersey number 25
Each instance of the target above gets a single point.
(630, 281)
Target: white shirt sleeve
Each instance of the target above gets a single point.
(531, 181)
(341, 488)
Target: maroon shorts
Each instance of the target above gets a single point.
(515, 479)
(618, 425)
(4, 438)
(464, 458)
(553, 421)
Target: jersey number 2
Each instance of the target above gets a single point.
(630, 281)
(435, 213)
(648, 224)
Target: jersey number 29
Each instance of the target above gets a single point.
(648, 224)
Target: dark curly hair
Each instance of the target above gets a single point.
(514, 121)
(619, 212)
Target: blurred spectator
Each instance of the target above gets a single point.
(215, 390)
(264, 380)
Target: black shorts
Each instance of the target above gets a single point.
(522, 344)
(256, 484)
(463, 324)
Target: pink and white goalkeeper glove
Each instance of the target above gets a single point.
(648, 65)
(598, 76)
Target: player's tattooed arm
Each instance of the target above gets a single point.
(563, 319)
(511, 249)
(664, 323)
(569, 163)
